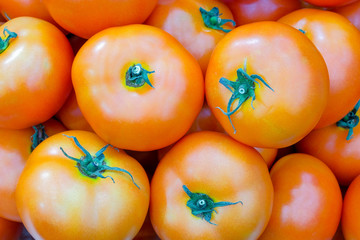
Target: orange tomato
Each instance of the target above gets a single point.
(351, 12)
(268, 154)
(351, 212)
(307, 200)
(329, 3)
(9, 230)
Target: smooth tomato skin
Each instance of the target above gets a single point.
(289, 63)
(268, 154)
(326, 30)
(351, 213)
(329, 144)
(248, 11)
(183, 20)
(307, 200)
(87, 17)
(53, 196)
(351, 12)
(35, 71)
(226, 170)
(144, 118)
(9, 230)
(15, 148)
(329, 3)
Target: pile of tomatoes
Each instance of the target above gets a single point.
(179, 119)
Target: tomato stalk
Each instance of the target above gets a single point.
(137, 76)
(39, 136)
(242, 89)
(350, 121)
(212, 19)
(4, 43)
(94, 166)
(202, 205)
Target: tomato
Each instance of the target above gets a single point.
(337, 146)
(329, 3)
(351, 212)
(248, 11)
(286, 65)
(15, 148)
(9, 230)
(87, 17)
(189, 22)
(145, 99)
(351, 12)
(227, 173)
(63, 190)
(326, 30)
(71, 116)
(268, 154)
(35, 72)
(307, 200)
(147, 231)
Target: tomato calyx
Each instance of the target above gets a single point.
(242, 89)
(350, 121)
(212, 19)
(39, 136)
(94, 166)
(4, 42)
(202, 205)
(137, 76)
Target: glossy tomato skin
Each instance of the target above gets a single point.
(35, 71)
(214, 164)
(143, 118)
(351, 12)
(329, 144)
(15, 148)
(85, 18)
(307, 200)
(248, 11)
(326, 30)
(351, 214)
(289, 63)
(183, 20)
(9, 230)
(329, 3)
(74, 206)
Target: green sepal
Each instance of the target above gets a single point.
(39, 136)
(137, 76)
(212, 19)
(4, 43)
(350, 121)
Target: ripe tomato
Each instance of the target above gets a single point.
(134, 95)
(35, 71)
(248, 11)
(15, 148)
(351, 213)
(268, 154)
(257, 54)
(307, 200)
(87, 17)
(329, 3)
(326, 30)
(197, 24)
(9, 230)
(225, 172)
(351, 12)
(62, 190)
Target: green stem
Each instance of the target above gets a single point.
(137, 76)
(39, 136)
(94, 166)
(212, 19)
(242, 89)
(203, 206)
(4, 43)
(350, 121)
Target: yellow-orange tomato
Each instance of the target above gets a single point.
(191, 27)
(15, 148)
(351, 12)
(137, 87)
(268, 154)
(337, 40)
(351, 212)
(215, 165)
(267, 84)
(79, 187)
(307, 200)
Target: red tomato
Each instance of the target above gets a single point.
(87, 17)
(189, 21)
(270, 116)
(248, 11)
(327, 30)
(15, 148)
(351, 12)
(35, 71)
(134, 95)
(9, 230)
(201, 172)
(63, 183)
(307, 200)
(351, 213)
(329, 3)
